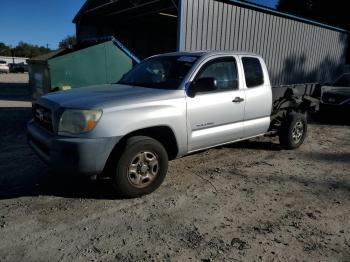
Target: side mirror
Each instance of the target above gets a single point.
(205, 84)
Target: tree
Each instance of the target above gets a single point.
(23, 50)
(5, 50)
(27, 50)
(68, 42)
(333, 13)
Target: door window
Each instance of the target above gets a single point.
(224, 70)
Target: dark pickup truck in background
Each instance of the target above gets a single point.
(335, 97)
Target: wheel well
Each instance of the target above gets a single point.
(162, 134)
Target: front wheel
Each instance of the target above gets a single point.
(141, 168)
(293, 131)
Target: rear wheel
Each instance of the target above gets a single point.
(141, 168)
(293, 131)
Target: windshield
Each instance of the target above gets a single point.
(343, 80)
(163, 72)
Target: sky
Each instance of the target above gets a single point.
(268, 3)
(39, 22)
(45, 22)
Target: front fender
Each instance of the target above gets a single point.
(118, 122)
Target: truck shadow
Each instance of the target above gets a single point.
(256, 144)
(15, 92)
(61, 186)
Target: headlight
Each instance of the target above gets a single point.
(78, 121)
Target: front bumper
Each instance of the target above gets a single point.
(87, 156)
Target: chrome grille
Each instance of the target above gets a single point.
(43, 116)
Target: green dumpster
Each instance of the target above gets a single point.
(98, 64)
(39, 74)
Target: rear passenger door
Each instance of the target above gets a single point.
(216, 117)
(258, 96)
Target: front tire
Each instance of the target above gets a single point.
(293, 131)
(141, 167)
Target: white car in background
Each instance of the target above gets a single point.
(4, 68)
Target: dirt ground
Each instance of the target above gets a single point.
(249, 201)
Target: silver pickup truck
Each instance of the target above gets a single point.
(166, 107)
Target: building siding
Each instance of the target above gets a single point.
(294, 51)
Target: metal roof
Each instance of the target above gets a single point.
(287, 15)
(208, 53)
(45, 57)
(76, 17)
(237, 2)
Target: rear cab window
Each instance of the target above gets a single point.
(254, 75)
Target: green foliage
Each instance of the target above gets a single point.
(4, 50)
(23, 50)
(67, 42)
(28, 50)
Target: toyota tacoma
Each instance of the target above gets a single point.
(166, 107)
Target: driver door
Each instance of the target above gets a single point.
(216, 117)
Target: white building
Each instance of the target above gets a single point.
(16, 60)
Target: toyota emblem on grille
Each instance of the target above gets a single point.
(40, 114)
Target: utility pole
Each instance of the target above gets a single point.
(13, 52)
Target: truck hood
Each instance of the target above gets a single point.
(107, 96)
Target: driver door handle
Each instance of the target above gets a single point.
(238, 100)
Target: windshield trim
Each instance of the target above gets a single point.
(162, 85)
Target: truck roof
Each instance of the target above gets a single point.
(210, 53)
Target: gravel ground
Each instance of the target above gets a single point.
(249, 201)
